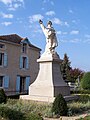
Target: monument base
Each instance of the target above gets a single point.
(37, 98)
(46, 99)
(49, 82)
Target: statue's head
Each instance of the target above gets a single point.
(49, 23)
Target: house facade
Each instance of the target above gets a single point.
(18, 64)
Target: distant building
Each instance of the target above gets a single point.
(18, 63)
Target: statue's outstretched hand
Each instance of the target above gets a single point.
(40, 21)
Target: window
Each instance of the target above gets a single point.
(4, 81)
(22, 83)
(24, 48)
(1, 59)
(1, 81)
(2, 46)
(24, 62)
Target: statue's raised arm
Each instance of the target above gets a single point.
(50, 34)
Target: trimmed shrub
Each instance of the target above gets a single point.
(85, 82)
(3, 97)
(59, 106)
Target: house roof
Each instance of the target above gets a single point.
(14, 38)
(11, 38)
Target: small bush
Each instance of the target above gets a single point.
(59, 106)
(3, 97)
(85, 82)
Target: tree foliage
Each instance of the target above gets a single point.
(65, 67)
(68, 73)
(85, 82)
(75, 74)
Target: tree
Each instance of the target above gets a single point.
(68, 73)
(65, 67)
(85, 82)
(75, 74)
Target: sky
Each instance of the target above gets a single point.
(70, 19)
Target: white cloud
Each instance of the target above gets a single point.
(6, 15)
(44, 1)
(74, 21)
(74, 32)
(13, 4)
(75, 40)
(6, 23)
(87, 36)
(57, 21)
(66, 24)
(6, 1)
(50, 13)
(35, 18)
(70, 11)
(48, 1)
(64, 40)
(59, 32)
(64, 33)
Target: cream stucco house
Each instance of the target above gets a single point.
(18, 63)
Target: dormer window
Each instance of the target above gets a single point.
(24, 47)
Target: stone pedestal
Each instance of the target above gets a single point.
(49, 82)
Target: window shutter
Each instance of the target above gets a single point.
(27, 82)
(6, 82)
(27, 63)
(18, 84)
(5, 59)
(21, 62)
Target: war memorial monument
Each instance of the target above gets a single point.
(49, 82)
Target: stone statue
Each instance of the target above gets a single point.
(51, 39)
